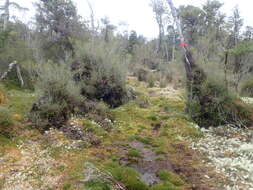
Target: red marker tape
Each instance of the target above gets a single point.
(183, 44)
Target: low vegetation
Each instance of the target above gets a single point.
(87, 106)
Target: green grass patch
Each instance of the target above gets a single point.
(97, 185)
(128, 176)
(168, 176)
(134, 153)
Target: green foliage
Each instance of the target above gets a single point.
(6, 119)
(142, 74)
(166, 175)
(57, 22)
(128, 176)
(134, 153)
(243, 48)
(6, 122)
(100, 74)
(247, 88)
(97, 185)
(58, 96)
(213, 105)
(164, 186)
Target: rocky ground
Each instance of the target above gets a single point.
(230, 151)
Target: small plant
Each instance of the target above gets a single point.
(128, 176)
(134, 153)
(151, 80)
(97, 185)
(6, 119)
(2, 95)
(142, 74)
(247, 88)
(166, 175)
(152, 117)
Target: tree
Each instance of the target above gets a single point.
(108, 29)
(57, 22)
(248, 34)
(192, 22)
(159, 10)
(6, 9)
(236, 24)
(132, 41)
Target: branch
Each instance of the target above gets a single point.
(177, 21)
(19, 76)
(17, 6)
(11, 66)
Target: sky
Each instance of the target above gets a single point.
(137, 14)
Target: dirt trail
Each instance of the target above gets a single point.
(148, 166)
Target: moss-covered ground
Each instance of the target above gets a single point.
(152, 131)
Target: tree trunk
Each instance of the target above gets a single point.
(6, 14)
(195, 75)
(225, 69)
(11, 66)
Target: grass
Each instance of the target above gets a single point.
(97, 185)
(166, 175)
(134, 153)
(132, 122)
(126, 175)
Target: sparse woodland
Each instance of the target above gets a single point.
(84, 105)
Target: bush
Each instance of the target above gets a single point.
(142, 74)
(100, 74)
(128, 176)
(247, 88)
(6, 120)
(2, 96)
(58, 97)
(212, 105)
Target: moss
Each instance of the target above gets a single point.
(134, 153)
(143, 139)
(128, 176)
(6, 119)
(97, 185)
(66, 186)
(166, 175)
(89, 126)
(160, 150)
(152, 117)
(5, 141)
(3, 98)
(164, 186)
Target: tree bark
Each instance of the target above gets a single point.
(195, 75)
(6, 14)
(11, 66)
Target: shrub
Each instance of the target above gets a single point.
(100, 74)
(6, 120)
(134, 153)
(58, 97)
(128, 176)
(247, 88)
(213, 105)
(151, 81)
(142, 74)
(2, 96)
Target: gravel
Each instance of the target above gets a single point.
(230, 151)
